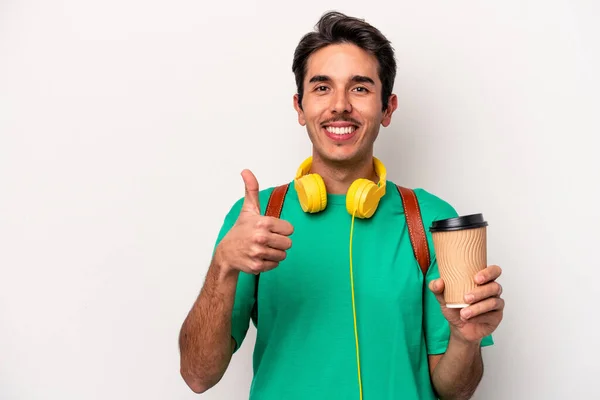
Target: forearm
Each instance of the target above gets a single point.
(459, 371)
(205, 339)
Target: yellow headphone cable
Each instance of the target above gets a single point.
(354, 310)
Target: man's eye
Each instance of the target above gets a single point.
(321, 88)
(361, 89)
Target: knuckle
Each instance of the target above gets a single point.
(255, 265)
(256, 251)
(260, 238)
(263, 223)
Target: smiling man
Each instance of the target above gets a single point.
(324, 265)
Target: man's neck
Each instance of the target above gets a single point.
(339, 176)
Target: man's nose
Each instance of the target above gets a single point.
(341, 103)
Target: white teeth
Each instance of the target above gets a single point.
(341, 131)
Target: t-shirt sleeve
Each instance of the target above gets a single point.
(244, 294)
(437, 328)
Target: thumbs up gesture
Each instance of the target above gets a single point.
(255, 243)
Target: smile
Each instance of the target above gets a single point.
(340, 133)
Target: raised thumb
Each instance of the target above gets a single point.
(251, 202)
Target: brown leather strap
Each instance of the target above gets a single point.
(415, 227)
(412, 212)
(274, 207)
(275, 204)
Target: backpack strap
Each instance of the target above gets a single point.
(416, 229)
(276, 199)
(274, 207)
(412, 211)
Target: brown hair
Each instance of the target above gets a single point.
(333, 28)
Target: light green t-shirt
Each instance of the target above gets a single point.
(305, 346)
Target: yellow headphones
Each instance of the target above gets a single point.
(362, 197)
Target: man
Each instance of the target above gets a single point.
(324, 332)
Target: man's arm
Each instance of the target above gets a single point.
(205, 341)
(254, 244)
(457, 373)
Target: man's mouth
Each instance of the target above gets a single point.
(340, 131)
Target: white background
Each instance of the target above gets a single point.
(125, 124)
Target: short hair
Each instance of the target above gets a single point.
(334, 28)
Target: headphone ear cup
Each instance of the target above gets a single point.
(312, 193)
(361, 198)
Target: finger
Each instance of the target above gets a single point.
(482, 307)
(261, 252)
(279, 242)
(489, 318)
(274, 225)
(269, 254)
(437, 287)
(256, 266)
(251, 202)
(492, 289)
(282, 227)
(269, 265)
(488, 274)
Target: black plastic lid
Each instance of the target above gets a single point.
(458, 223)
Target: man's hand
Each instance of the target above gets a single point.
(255, 243)
(485, 310)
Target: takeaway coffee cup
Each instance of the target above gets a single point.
(461, 251)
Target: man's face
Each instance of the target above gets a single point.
(341, 105)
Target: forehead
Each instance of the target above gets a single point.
(342, 62)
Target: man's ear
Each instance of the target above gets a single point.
(387, 114)
(298, 108)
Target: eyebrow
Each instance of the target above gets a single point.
(355, 78)
(363, 79)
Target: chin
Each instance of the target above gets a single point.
(340, 157)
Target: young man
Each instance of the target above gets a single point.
(338, 298)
